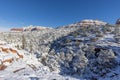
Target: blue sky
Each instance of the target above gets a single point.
(54, 13)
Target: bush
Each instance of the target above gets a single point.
(23, 42)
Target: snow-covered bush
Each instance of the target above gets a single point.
(117, 38)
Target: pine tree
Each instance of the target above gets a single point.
(23, 41)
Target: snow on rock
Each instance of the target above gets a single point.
(89, 22)
(25, 68)
(8, 55)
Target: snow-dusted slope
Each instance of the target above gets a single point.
(25, 68)
(71, 52)
(92, 53)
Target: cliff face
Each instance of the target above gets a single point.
(16, 30)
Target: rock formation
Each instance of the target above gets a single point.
(16, 30)
(118, 22)
(88, 22)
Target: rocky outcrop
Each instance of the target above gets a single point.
(92, 23)
(29, 28)
(35, 28)
(88, 22)
(16, 30)
(118, 22)
(8, 56)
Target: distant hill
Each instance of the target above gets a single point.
(29, 28)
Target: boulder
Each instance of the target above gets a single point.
(118, 22)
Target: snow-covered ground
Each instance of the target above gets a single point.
(26, 68)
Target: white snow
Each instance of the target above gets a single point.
(40, 72)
